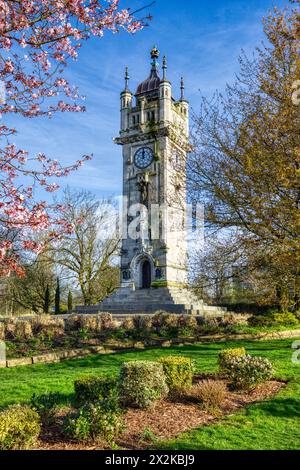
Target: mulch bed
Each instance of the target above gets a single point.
(165, 420)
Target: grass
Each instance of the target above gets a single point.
(273, 424)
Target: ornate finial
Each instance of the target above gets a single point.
(126, 79)
(155, 53)
(164, 68)
(182, 89)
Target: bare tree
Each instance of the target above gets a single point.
(88, 255)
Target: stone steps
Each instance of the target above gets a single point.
(169, 299)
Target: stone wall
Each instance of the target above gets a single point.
(115, 347)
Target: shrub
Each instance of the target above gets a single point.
(210, 393)
(10, 328)
(107, 322)
(164, 320)
(246, 372)
(148, 436)
(141, 383)
(142, 322)
(232, 319)
(128, 324)
(2, 330)
(187, 321)
(285, 318)
(95, 388)
(89, 323)
(226, 355)
(95, 420)
(45, 405)
(261, 320)
(73, 323)
(47, 326)
(178, 371)
(23, 329)
(273, 318)
(19, 427)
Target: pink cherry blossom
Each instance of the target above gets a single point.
(51, 32)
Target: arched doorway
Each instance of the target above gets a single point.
(146, 275)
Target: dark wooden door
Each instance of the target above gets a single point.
(146, 275)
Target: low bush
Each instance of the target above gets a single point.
(164, 320)
(90, 323)
(128, 324)
(246, 372)
(98, 420)
(274, 318)
(233, 319)
(19, 428)
(187, 322)
(107, 322)
(95, 388)
(210, 393)
(285, 318)
(178, 371)
(23, 329)
(261, 320)
(225, 357)
(148, 436)
(46, 325)
(142, 322)
(10, 328)
(2, 330)
(141, 383)
(46, 406)
(73, 323)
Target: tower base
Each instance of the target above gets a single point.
(127, 301)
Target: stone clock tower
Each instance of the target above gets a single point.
(154, 135)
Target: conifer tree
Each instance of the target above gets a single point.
(70, 301)
(47, 299)
(57, 298)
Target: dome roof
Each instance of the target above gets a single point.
(151, 84)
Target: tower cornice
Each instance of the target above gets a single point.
(166, 131)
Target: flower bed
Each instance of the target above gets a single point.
(165, 420)
(148, 401)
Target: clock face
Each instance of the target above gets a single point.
(143, 157)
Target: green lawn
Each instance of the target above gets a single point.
(270, 425)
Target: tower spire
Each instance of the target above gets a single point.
(164, 68)
(182, 89)
(126, 79)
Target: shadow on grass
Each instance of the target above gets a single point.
(281, 407)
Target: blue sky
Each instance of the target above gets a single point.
(202, 41)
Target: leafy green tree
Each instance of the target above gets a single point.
(29, 291)
(246, 160)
